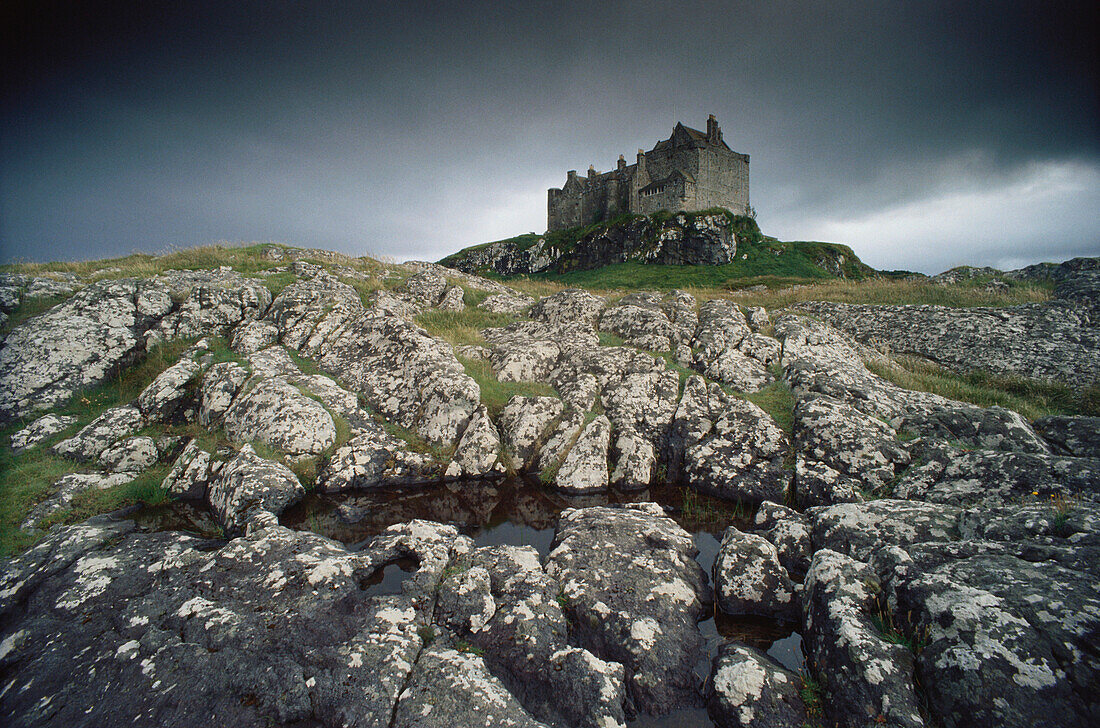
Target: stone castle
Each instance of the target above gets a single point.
(689, 171)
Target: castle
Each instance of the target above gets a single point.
(688, 171)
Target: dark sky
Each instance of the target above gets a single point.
(924, 134)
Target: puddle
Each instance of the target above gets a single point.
(387, 581)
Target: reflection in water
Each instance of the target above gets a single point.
(521, 513)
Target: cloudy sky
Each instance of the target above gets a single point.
(924, 134)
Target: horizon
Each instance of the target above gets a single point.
(923, 136)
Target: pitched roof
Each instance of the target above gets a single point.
(693, 134)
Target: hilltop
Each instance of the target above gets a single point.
(278, 486)
(663, 250)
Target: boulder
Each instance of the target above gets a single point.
(275, 412)
(102, 432)
(789, 531)
(524, 422)
(634, 595)
(220, 385)
(857, 529)
(748, 690)
(190, 474)
(247, 486)
(374, 458)
(584, 469)
(170, 391)
(478, 451)
(571, 306)
(40, 430)
(1074, 436)
(748, 578)
(131, 455)
(252, 336)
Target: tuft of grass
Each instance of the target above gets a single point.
(276, 282)
(811, 693)
(465, 646)
(146, 489)
(1029, 397)
(427, 634)
(473, 297)
(609, 339)
(461, 327)
(703, 509)
(915, 640)
(305, 365)
(495, 393)
(25, 480)
(29, 308)
(775, 399)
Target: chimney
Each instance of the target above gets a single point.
(591, 171)
(622, 162)
(714, 134)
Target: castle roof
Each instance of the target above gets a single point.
(692, 135)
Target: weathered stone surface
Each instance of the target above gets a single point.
(1010, 630)
(758, 318)
(527, 361)
(220, 385)
(1052, 341)
(102, 432)
(374, 458)
(249, 485)
(453, 299)
(252, 336)
(213, 302)
(968, 477)
(748, 690)
(829, 431)
(41, 429)
(190, 474)
(1075, 436)
(426, 287)
(276, 413)
(301, 308)
(723, 344)
(272, 628)
(569, 307)
(867, 680)
(559, 440)
(985, 428)
(451, 688)
(816, 484)
(524, 423)
(77, 344)
(643, 327)
(500, 600)
(131, 455)
(857, 529)
(584, 469)
(507, 303)
(68, 487)
(789, 531)
(634, 594)
(748, 578)
(728, 447)
(169, 391)
(478, 451)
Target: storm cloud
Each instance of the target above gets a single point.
(924, 134)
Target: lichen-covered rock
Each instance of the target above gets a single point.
(77, 344)
(748, 690)
(41, 429)
(507, 303)
(271, 628)
(190, 474)
(169, 391)
(276, 413)
(571, 306)
(867, 680)
(643, 327)
(451, 688)
(500, 600)
(478, 451)
(1074, 436)
(1009, 630)
(252, 336)
(248, 485)
(964, 477)
(131, 455)
(584, 469)
(524, 422)
(748, 578)
(758, 318)
(719, 354)
(816, 484)
(829, 431)
(374, 458)
(857, 529)
(635, 463)
(453, 299)
(314, 306)
(789, 531)
(559, 440)
(220, 385)
(1056, 341)
(634, 594)
(529, 361)
(426, 287)
(984, 428)
(728, 446)
(213, 302)
(102, 432)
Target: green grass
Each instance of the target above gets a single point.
(886, 291)
(811, 693)
(462, 327)
(915, 640)
(276, 282)
(494, 393)
(147, 489)
(775, 399)
(609, 339)
(28, 308)
(473, 297)
(306, 366)
(1029, 397)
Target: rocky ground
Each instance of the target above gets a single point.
(940, 558)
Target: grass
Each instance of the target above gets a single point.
(465, 646)
(914, 640)
(885, 291)
(609, 339)
(811, 693)
(699, 508)
(147, 489)
(28, 308)
(1029, 397)
(775, 399)
(461, 327)
(494, 393)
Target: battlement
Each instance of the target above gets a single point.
(691, 170)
